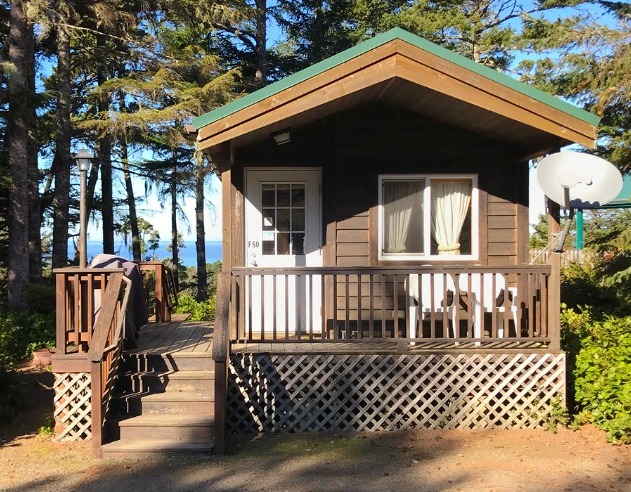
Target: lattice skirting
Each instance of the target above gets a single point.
(388, 392)
(73, 420)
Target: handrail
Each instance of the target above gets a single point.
(400, 270)
(165, 294)
(105, 353)
(78, 293)
(379, 303)
(103, 325)
(222, 317)
(220, 350)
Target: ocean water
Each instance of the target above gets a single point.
(188, 255)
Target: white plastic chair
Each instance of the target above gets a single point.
(485, 296)
(422, 301)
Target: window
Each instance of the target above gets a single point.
(427, 217)
(283, 218)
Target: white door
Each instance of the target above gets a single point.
(283, 228)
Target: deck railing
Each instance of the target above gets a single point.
(78, 301)
(419, 305)
(105, 353)
(159, 288)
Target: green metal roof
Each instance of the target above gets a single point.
(623, 199)
(380, 40)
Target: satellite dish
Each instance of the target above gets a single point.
(576, 180)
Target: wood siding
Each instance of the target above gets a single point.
(354, 147)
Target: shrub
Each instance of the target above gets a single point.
(10, 396)
(21, 333)
(599, 369)
(199, 310)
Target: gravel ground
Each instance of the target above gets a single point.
(421, 460)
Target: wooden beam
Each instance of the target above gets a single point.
(362, 79)
(431, 78)
(298, 91)
(499, 91)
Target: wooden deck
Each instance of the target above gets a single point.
(176, 336)
(401, 346)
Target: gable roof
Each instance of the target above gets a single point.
(400, 68)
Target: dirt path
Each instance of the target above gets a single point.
(421, 460)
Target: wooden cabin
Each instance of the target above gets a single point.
(375, 246)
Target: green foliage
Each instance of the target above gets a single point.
(603, 377)
(21, 333)
(558, 416)
(199, 310)
(48, 428)
(188, 279)
(595, 284)
(10, 396)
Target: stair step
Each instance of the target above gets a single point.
(174, 427)
(176, 361)
(169, 402)
(159, 381)
(153, 447)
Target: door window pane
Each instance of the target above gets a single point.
(268, 219)
(282, 246)
(283, 218)
(269, 195)
(298, 243)
(283, 195)
(298, 219)
(298, 195)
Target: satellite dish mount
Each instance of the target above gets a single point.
(576, 180)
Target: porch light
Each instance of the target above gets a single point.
(282, 136)
(83, 159)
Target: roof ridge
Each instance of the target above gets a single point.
(380, 40)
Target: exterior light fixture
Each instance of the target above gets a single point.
(83, 159)
(282, 137)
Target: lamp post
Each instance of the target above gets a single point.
(83, 158)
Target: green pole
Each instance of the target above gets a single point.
(579, 229)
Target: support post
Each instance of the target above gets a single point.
(554, 301)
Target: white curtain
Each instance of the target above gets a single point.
(399, 200)
(450, 204)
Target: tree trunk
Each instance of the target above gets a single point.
(175, 253)
(63, 158)
(200, 243)
(35, 215)
(131, 203)
(105, 154)
(260, 47)
(18, 145)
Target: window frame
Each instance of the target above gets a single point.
(427, 222)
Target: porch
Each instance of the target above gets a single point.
(373, 356)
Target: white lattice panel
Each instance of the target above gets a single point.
(388, 392)
(72, 407)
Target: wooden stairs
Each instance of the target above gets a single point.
(164, 404)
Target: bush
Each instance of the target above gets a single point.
(199, 310)
(10, 396)
(599, 370)
(597, 284)
(603, 377)
(21, 333)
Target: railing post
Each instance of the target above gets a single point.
(220, 356)
(61, 317)
(96, 402)
(554, 301)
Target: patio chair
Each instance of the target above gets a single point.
(421, 302)
(489, 292)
